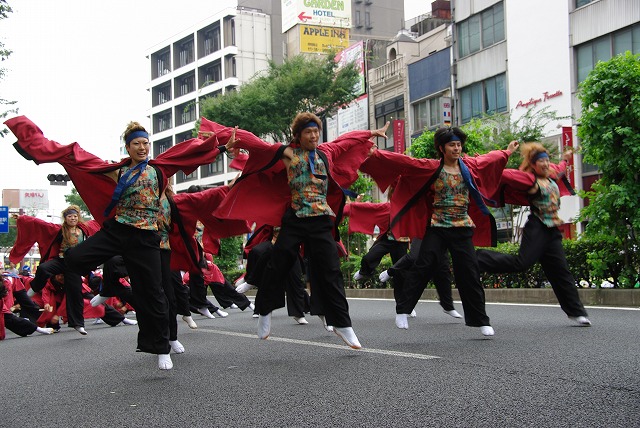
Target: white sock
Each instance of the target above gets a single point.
(190, 322)
(127, 321)
(42, 330)
(164, 362)
(176, 346)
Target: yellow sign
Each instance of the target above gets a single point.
(322, 39)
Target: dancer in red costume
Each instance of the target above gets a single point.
(133, 186)
(53, 240)
(301, 187)
(449, 193)
(540, 184)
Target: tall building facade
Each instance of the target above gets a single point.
(226, 50)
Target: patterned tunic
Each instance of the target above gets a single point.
(308, 193)
(450, 202)
(75, 240)
(139, 204)
(545, 203)
(164, 223)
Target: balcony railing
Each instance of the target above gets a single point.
(392, 70)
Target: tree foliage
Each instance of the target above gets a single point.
(75, 199)
(267, 104)
(610, 139)
(5, 10)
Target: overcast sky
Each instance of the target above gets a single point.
(79, 71)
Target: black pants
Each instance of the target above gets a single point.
(382, 246)
(227, 295)
(72, 287)
(198, 293)
(140, 250)
(167, 287)
(539, 244)
(28, 308)
(20, 326)
(316, 233)
(114, 269)
(436, 241)
(111, 315)
(181, 292)
(295, 289)
(441, 277)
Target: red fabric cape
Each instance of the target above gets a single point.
(365, 216)
(514, 185)
(412, 174)
(31, 230)
(263, 196)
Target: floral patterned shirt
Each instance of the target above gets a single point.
(545, 204)
(164, 223)
(450, 202)
(139, 204)
(308, 193)
(75, 240)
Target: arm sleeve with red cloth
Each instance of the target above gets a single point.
(87, 170)
(29, 231)
(365, 216)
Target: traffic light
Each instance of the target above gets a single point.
(58, 179)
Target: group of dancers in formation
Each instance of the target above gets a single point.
(290, 198)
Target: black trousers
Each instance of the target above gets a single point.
(539, 244)
(20, 326)
(28, 308)
(316, 233)
(114, 269)
(181, 292)
(442, 278)
(198, 293)
(382, 246)
(436, 241)
(295, 289)
(72, 287)
(140, 250)
(167, 287)
(111, 315)
(227, 295)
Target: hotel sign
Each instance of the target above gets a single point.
(326, 13)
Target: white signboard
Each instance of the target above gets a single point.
(353, 118)
(326, 13)
(36, 199)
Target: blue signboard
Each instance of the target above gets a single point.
(4, 219)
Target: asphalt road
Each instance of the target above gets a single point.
(539, 370)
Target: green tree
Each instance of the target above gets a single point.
(75, 199)
(267, 104)
(5, 10)
(610, 139)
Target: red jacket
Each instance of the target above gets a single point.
(365, 216)
(87, 170)
(262, 193)
(514, 185)
(31, 230)
(413, 174)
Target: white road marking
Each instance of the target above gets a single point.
(325, 345)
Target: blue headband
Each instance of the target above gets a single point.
(68, 212)
(455, 138)
(137, 134)
(540, 155)
(311, 124)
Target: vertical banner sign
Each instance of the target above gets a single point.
(445, 106)
(567, 142)
(4, 219)
(398, 136)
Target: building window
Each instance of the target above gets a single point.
(163, 65)
(427, 114)
(214, 168)
(212, 74)
(580, 3)
(367, 20)
(358, 19)
(212, 41)
(486, 97)
(604, 48)
(186, 53)
(162, 94)
(185, 113)
(162, 121)
(233, 32)
(187, 84)
(481, 30)
(161, 146)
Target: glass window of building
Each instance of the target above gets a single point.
(480, 98)
(481, 30)
(427, 114)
